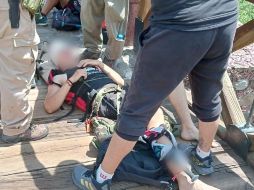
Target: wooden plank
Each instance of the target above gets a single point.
(230, 171)
(227, 163)
(251, 1)
(231, 110)
(41, 116)
(37, 155)
(56, 178)
(244, 35)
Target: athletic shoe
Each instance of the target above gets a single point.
(41, 20)
(33, 133)
(89, 55)
(84, 179)
(203, 166)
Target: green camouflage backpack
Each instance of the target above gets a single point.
(102, 128)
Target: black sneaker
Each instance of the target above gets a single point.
(203, 166)
(89, 55)
(84, 179)
(41, 20)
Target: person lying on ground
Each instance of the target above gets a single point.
(163, 144)
(61, 87)
(42, 20)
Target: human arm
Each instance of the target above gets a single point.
(56, 94)
(105, 69)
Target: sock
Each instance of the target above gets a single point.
(202, 153)
(102, 176)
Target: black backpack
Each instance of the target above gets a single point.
(66, 20)
(140, 166)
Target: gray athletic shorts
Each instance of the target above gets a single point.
(165, 58)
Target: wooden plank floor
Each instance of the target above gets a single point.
(47, 164)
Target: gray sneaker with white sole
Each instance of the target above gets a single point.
(33, 133)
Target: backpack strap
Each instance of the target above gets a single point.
(101, 94)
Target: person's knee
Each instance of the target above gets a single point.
(157, 119)
(131, 127)
(208, 112)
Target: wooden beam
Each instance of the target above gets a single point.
(231, 110)
(232, 113)
(244, 35)
(251, 1)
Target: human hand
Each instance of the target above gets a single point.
(91, 63)
(78, 74)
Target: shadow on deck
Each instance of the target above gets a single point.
(47, 164)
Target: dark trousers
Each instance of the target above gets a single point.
(165, 58)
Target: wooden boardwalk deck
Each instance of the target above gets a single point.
(47, 164)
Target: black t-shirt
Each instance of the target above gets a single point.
(95, 80)
(193, 15)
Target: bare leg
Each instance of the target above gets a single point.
(207, 131)
(113, 158)
(50, 4)
(179, 101)
(156, 120)
(184, 181)
(64, 3)
(124, 147)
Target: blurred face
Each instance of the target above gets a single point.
(66, 59)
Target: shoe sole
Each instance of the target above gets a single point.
(25, 140)
(42, 24)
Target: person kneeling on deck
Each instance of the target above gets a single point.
(64, 84)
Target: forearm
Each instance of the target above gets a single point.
(54, 102)
(112, 74)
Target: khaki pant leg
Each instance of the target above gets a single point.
(116, 14)
(18, 51)
(92, 15)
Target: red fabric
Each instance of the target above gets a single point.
(80, 103)
(51, 77)
(103, 25)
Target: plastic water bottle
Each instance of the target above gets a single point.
(121, 32)
(120, 37)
